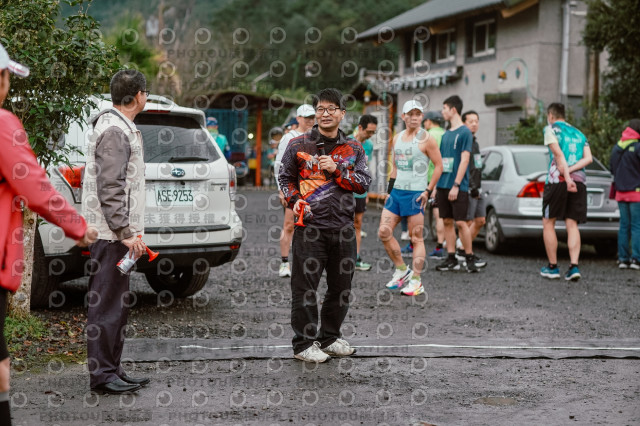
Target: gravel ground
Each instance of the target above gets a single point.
(507, 303)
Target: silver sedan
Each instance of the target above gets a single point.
(513, 178)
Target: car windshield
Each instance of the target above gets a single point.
(168, 138)
(528, 162)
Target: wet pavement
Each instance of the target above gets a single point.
(504, 346)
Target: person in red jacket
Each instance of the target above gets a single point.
(23, 183)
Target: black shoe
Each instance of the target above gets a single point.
(448, 265)
(118, 386)
(460, 255)
(480, 263)
(142, 381)
(470, 263)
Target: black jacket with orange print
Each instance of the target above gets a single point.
(330, 199)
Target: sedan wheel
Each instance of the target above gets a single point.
(493, 239)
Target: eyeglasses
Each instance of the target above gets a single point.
(331, 110)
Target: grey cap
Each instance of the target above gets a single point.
(435, 116)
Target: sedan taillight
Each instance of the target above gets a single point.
(532, 190)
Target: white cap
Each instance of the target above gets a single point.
(305, 110)
(14, 67)
(410, 105)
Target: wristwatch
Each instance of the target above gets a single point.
(456, 184)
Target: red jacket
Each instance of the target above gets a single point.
(23, 180)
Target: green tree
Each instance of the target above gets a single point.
(69, 61)
(614, 26)
(133, 49)
(311, 45)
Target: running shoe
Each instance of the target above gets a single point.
(339, 348)
(551, 273)
(573, 274)
(480, 263)
(448, 265)
(362, 266)
(312, 354)
(634, 264)
(470, 264)
(399, 278)
(285, 270)
(437, 253)
(460, 255)
(405, 236)
(414, 288)
(407, 251)
(623, 264)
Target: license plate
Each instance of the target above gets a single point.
(174, 196)
(594, 200)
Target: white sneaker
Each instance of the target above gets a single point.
(414, 287)
(339, 348)
(284, 271)
(405, 236)
(312, 354)
(399, 278)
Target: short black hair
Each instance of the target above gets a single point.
(454, 102)
(366, 119)
(471, 112)
(556, 109)
(330, 95)
(126, 84)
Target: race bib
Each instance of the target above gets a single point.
(403, 163)
(447, 164)
(477, 159)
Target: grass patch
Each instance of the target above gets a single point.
(37, 339)
(21, 332)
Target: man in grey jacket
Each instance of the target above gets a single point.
(113, 201)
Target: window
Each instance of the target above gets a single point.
(445, 46)
(529, 162)
(484, 38)
(492, 166)
(170, 138)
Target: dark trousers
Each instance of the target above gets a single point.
(313, 251)
(108, 301)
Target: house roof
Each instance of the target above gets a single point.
(434, 10)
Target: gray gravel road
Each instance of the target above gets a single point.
(504, 346)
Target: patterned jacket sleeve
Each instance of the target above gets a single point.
(288, 175)
(357, 178)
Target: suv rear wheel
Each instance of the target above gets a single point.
(182, 282)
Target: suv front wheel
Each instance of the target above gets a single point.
(182, 282)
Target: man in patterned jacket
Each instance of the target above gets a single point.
(323, 168)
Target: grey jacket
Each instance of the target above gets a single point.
(113, 194)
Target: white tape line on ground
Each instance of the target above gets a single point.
(431, 345)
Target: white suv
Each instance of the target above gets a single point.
(190, 216)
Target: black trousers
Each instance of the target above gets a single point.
(108, 309)
(313, 251)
